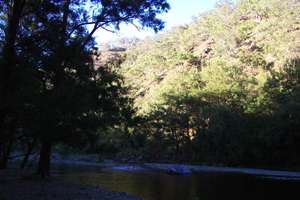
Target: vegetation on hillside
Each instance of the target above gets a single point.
(223, 89)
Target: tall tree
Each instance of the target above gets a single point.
(54, 40)
(8, 65)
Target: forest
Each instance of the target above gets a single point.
(222, 90)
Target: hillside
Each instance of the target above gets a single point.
(233, 49)
(223, 89)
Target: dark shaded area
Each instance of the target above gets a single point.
(51, 92)
(18, 185)
(157, 186)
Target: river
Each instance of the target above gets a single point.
(153, 185)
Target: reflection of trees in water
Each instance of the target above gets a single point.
(160, 186)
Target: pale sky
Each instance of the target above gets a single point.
(181, 12)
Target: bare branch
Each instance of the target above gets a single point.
(108, 30)
(136, 26)
(81, 24)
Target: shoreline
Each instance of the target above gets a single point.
(174, 168)
(18, 184)
(185, 169)
(22, 185)
(189, 169)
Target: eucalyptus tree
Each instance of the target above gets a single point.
(53, 40)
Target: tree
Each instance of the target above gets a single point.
(54, 40)
(8, 66)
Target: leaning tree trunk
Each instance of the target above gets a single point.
(3, 158)
(30, 147)
(5, 153)
(44, 161)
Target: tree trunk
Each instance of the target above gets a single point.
(7, 67)
(30, 147)
(9, 63)
(3, 158)
(5, 153)
(44, 161)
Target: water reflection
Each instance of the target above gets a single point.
(159, 186)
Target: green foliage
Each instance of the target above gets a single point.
(223, 89)
(50, 90)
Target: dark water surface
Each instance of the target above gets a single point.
(205, 186)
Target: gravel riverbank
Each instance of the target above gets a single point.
(189, 169)
(20, 185)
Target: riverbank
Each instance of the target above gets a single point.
(22, 185)
(182, 169)
(91, 161)
(189, 169)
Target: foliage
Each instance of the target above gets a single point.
(50, 89)
(223, 89)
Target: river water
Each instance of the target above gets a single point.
(151, 185)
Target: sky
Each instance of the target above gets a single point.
(181, 12)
